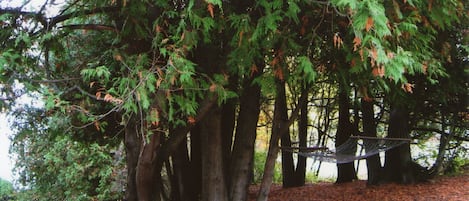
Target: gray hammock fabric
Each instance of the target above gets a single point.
(348, 151)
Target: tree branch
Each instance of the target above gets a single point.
(96, 27)
(60, 18)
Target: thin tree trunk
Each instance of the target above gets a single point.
(300, 172)
(243, 148)
(373, 163)
(288, 169)
(277, 126)
(345, 172)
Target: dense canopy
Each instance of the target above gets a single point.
(164, 100)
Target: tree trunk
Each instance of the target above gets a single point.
(195, 169)
(132, 148)
(213, 179)
(277, 126)
(345, 172)
(398, 162)
(438, 167)
(300, 172)
(243, 148)
(182, 171)
(147, 172)
(288, 169)
(227, 127)
(373, 163)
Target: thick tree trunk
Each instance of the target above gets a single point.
(195, 178)
(132, 147)
(398, 163)
(148, 177)
(345, 172)
(243, 148)
(213, 179)
(181, 171)
(373, 163)
(228, 118)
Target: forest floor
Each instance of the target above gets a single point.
(443, 188)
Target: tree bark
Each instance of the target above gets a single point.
(147, 171)
(181, 169)
(288, 169)
(300, 171)
(132, 148)
(243, 148)
(277, 126)
(345, 172)
(227, 130)
(213, 179)
(398, 162)
(373, 163)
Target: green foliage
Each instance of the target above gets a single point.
(102, 62)
(458, 165)
(76, 171)
(259, 162)
(6, 190)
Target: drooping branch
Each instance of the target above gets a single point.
(48, 23)
(96, 27)
(61, 18)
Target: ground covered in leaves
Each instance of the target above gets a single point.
(447, 188)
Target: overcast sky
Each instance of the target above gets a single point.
(6, 163)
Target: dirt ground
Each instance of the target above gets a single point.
(444, 188)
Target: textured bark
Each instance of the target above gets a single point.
(398, 163)
(300, 171)
(181, 170)
(438, 167)
(148, 177)
(288, 169)
(196, 163)
(345, 172)
(228, 118)
(373, 163)
(213, 180)
(243, 148)
(132, 148)
(277, 125)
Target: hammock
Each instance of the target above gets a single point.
(347, 151)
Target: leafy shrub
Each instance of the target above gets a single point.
(6, 190)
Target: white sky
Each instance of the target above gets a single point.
(6, 164)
